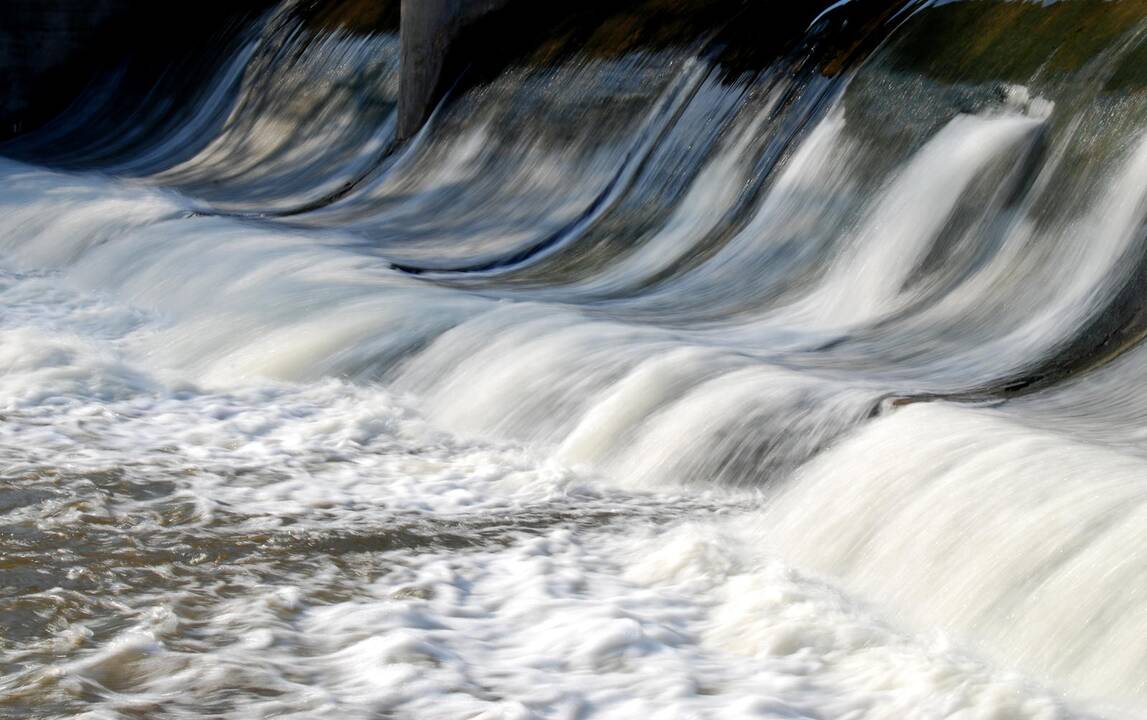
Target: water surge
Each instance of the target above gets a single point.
(653, 377)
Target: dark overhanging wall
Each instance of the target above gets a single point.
(447, 43)
(51, 49)
(42, 43)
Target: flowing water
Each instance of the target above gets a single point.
(641, 383)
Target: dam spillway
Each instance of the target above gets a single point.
(677, 360)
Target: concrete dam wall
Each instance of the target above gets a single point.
(50, 50)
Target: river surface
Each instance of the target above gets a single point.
(637, 385)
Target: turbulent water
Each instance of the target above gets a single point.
(638, 384)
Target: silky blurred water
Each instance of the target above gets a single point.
(632, 386)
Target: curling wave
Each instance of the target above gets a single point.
(848, 343)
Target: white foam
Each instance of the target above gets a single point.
(238, 364)
(673, 621)
(1023, 540)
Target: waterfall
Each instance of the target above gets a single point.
(650, 378)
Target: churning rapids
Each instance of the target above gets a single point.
(639, 384)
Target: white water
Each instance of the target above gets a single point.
(252, 470)
(185, 348)
(676, 619)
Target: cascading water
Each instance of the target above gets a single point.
(645, 381)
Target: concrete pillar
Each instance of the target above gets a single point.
(430, 28)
